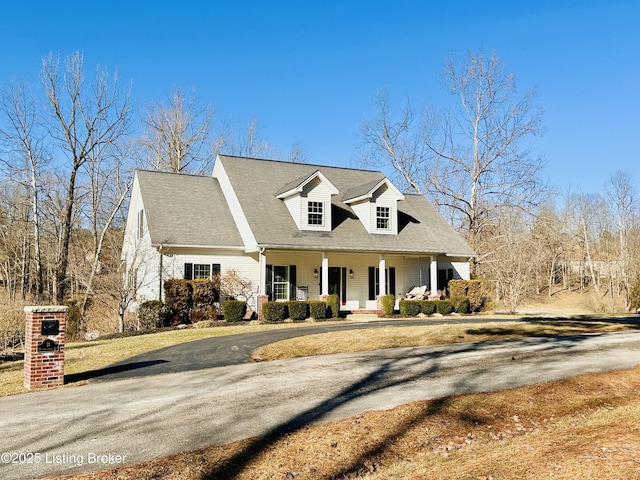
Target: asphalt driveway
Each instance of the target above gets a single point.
(108, 424)
(236, 349)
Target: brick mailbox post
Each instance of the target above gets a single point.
(44, 346)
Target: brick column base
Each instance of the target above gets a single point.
(262, 299)
(44, 346)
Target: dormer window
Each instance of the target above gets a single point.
(376, 205)
(383, 216)
(315, 213)
(308, 200)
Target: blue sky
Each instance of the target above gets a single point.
(308, 71)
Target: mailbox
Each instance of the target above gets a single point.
(50, 327)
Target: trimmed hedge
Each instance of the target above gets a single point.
(472, 289)
(443, 307)
(154, 314)
(234, 310)
(178, 295)
(461, 304)
(317, 309)
(298, 310)
(388, 304)
(427, 307)
(333, 306)
(274, 311)
(409, 308)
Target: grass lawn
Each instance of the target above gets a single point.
(584, 427)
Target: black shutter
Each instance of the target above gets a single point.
(188, 271)
(215, 276)
(372, 283)
(392, 281)
(293, 282)
(269, 282)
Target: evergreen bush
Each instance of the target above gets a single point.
(388, 305)
(298, 310)
(153, 315)
(234, 310)
(178, 295)
(274, 311)
(443, 307)
(333, 306)
(317, 309)
(409, 308)
(427, 307)
(472, 289)
(461, 304)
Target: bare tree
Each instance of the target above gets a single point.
(178, 135)
(85, 120)
(508, 264)
(24, 146)
(622, 199)
(471, 161)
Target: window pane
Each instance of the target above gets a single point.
(315, 213)
(382, 218)
(201, 270)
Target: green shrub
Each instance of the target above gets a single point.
(409, 308)
(333, 306)
(234, 310)
(274, 311)
(427, 307)
(472, 289)
(443, 307)
(317, 309)
(154, 314)
(178, 295)
(298, 310)
(388, 304)
(461, 304)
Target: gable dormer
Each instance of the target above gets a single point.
(376, 205)
(308, 200)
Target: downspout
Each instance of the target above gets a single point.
(160, 273)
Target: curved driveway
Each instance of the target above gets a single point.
(106, 424)
(236, 349)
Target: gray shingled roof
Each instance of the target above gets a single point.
(422, 228)
(187, 210)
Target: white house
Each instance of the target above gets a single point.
(296, 231)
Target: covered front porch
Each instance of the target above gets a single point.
(357, 278)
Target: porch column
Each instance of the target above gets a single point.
(382, 276)
(262, 286)
(324, 290)
(433, 280)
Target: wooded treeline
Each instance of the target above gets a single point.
(69, 146)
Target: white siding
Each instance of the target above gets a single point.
(384, 197)
(316, 191)
(245, 265)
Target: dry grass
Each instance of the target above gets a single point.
(85, 356)
(389, 337)
(586, 427)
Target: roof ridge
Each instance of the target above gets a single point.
(300, 163)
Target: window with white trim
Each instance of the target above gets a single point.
(315, 213)
(383, 218)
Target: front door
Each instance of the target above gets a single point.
(338, 283)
